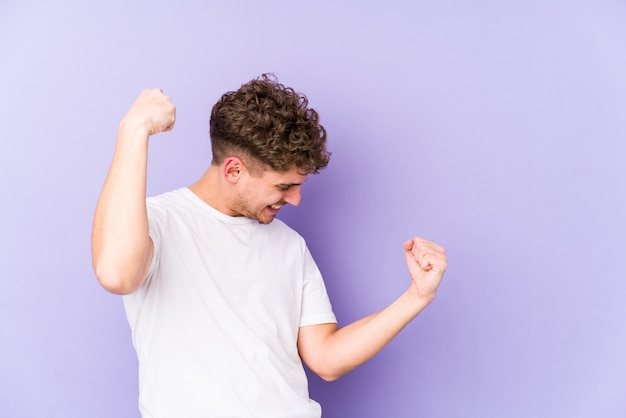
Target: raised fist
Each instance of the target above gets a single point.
(152, 111)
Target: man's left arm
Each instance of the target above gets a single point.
(331, 352)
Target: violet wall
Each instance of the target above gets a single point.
(495, 128)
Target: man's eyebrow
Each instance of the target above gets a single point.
(288, 184)
(292, 184)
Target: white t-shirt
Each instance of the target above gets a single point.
(215, 324)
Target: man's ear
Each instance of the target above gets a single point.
(232, 169)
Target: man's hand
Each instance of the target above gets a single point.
(427, 263)
(152, 112)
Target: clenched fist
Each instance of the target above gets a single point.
(427, 262)
(153, 112)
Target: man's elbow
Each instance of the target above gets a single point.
(329, 377)
(328, 374)
(115, 280)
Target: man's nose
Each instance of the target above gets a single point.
(293, 195)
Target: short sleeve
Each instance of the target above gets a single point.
(156, 219)
(316, 307)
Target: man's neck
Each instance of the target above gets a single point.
(211, 190)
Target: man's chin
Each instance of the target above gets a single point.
(263, 218)
(265, 221)
(267, 216)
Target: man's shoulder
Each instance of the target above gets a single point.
(166, 197)
(178, 200)
(283, 229)
(174, 203)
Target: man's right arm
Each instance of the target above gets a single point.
(120, 242)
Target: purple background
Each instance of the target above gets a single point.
(495, 128)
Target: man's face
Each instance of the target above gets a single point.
(261, 197)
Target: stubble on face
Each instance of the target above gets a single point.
(250, 207)
(261, 197)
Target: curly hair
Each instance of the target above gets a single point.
(271, 124)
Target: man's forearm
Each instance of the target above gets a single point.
(342, 350)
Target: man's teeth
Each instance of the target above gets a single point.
(275, 206)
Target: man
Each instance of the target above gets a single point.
(225, 302)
